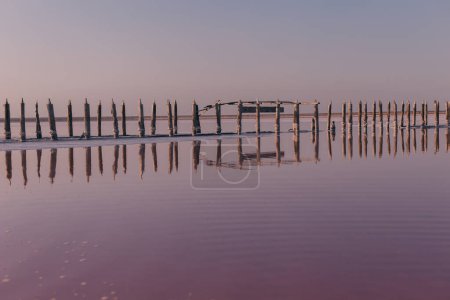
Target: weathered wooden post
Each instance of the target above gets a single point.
(239, 118)
(316, 115)
(124, 119)
(374, 114)
(141, 159)
(115, 120)
(366, 120)
(277, 117)
(408, 115)
(414, 113)
(426, 116)
(38, 158)
(51, 121)
(69, 119)
(389, 114)
(88, 162)
(402, 119)
(194, 118)
(360, 115)
(395, 114)
(422, 114)
(100, 160)
(141, 122)
(99, 118)
(447, 113)
(38, 122)
(87, 120)
(169, 117)
(328, 119)
(436, 113)
(124, 158)
(350, 114)
(313, 125)
(344, 115)
(296, 125)
(258, 117)
(53, 161)
(175, 118)
(197, 117)
(153, 123)
(7, 120)
(218, 109)
(71, 162)
(380, 111)
(23, 135)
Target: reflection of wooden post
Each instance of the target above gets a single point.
(239, 118)
(277, 149)
(169, 117)
(99, 119)
(8, 162)
(23, 154)
(170, 157)
(88, 152)
(388, 140)
(23, 135)
(115, 165)
(196, 153)
(53, 160)
(51, 120)
(176, 155)
(39, 158)
(436, 113)
(329, 117)
(141, 122)
(69, 119)
(141, 159)
(38, 123)
(218, 108)
(87, 120)
(296, 148)
(330, 150)
(175, 118)
(436, 139)
(100, 159)
(7, 120)
(153, 122)
(124, 119)
(124, 158)
(71, 162)
(155, 157)
(115, 121)
(414, 113)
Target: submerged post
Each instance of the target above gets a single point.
(141, 119)
(87, 120)
(69, 119)
(153, 123)
(218, 109)
(38, 122)
(239, 118)
(169, 117)
(124, 119)
(115, 121)
(51, 120)
(99, 119)
(175, 118)
(7, 120)
(23, 135)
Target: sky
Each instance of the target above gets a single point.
(209, 50)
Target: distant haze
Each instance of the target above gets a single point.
(228, 50)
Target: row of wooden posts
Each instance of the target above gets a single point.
(172, 116)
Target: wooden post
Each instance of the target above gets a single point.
(69, 119)
(124, 119)
(218, 108)
(99, 119)
(38, 122)
(141, 122)
(197, 117)
(360, 115)
(87, 120)
(436, 113)
(389, 114)
(296, 125)
(350, 114)
(414, 113)
(316, 115)
(380, 112)
(374, 114)
(51, 121)
(169, 117)
(239, 118)
(153, 123)
(365, 118)
(426, 115)
(277, 117)
(23, 135)
(175, 118)
(115, 120)
(402, 119)
(422, 114)
(7, 120)
(408, 115)
(344, 114)
(395, 114)
(448, 113)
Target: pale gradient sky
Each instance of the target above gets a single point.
(224, 49)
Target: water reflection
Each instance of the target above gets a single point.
(382, 144)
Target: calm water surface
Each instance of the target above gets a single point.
(321, 218)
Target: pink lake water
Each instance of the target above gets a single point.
(322, 218)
